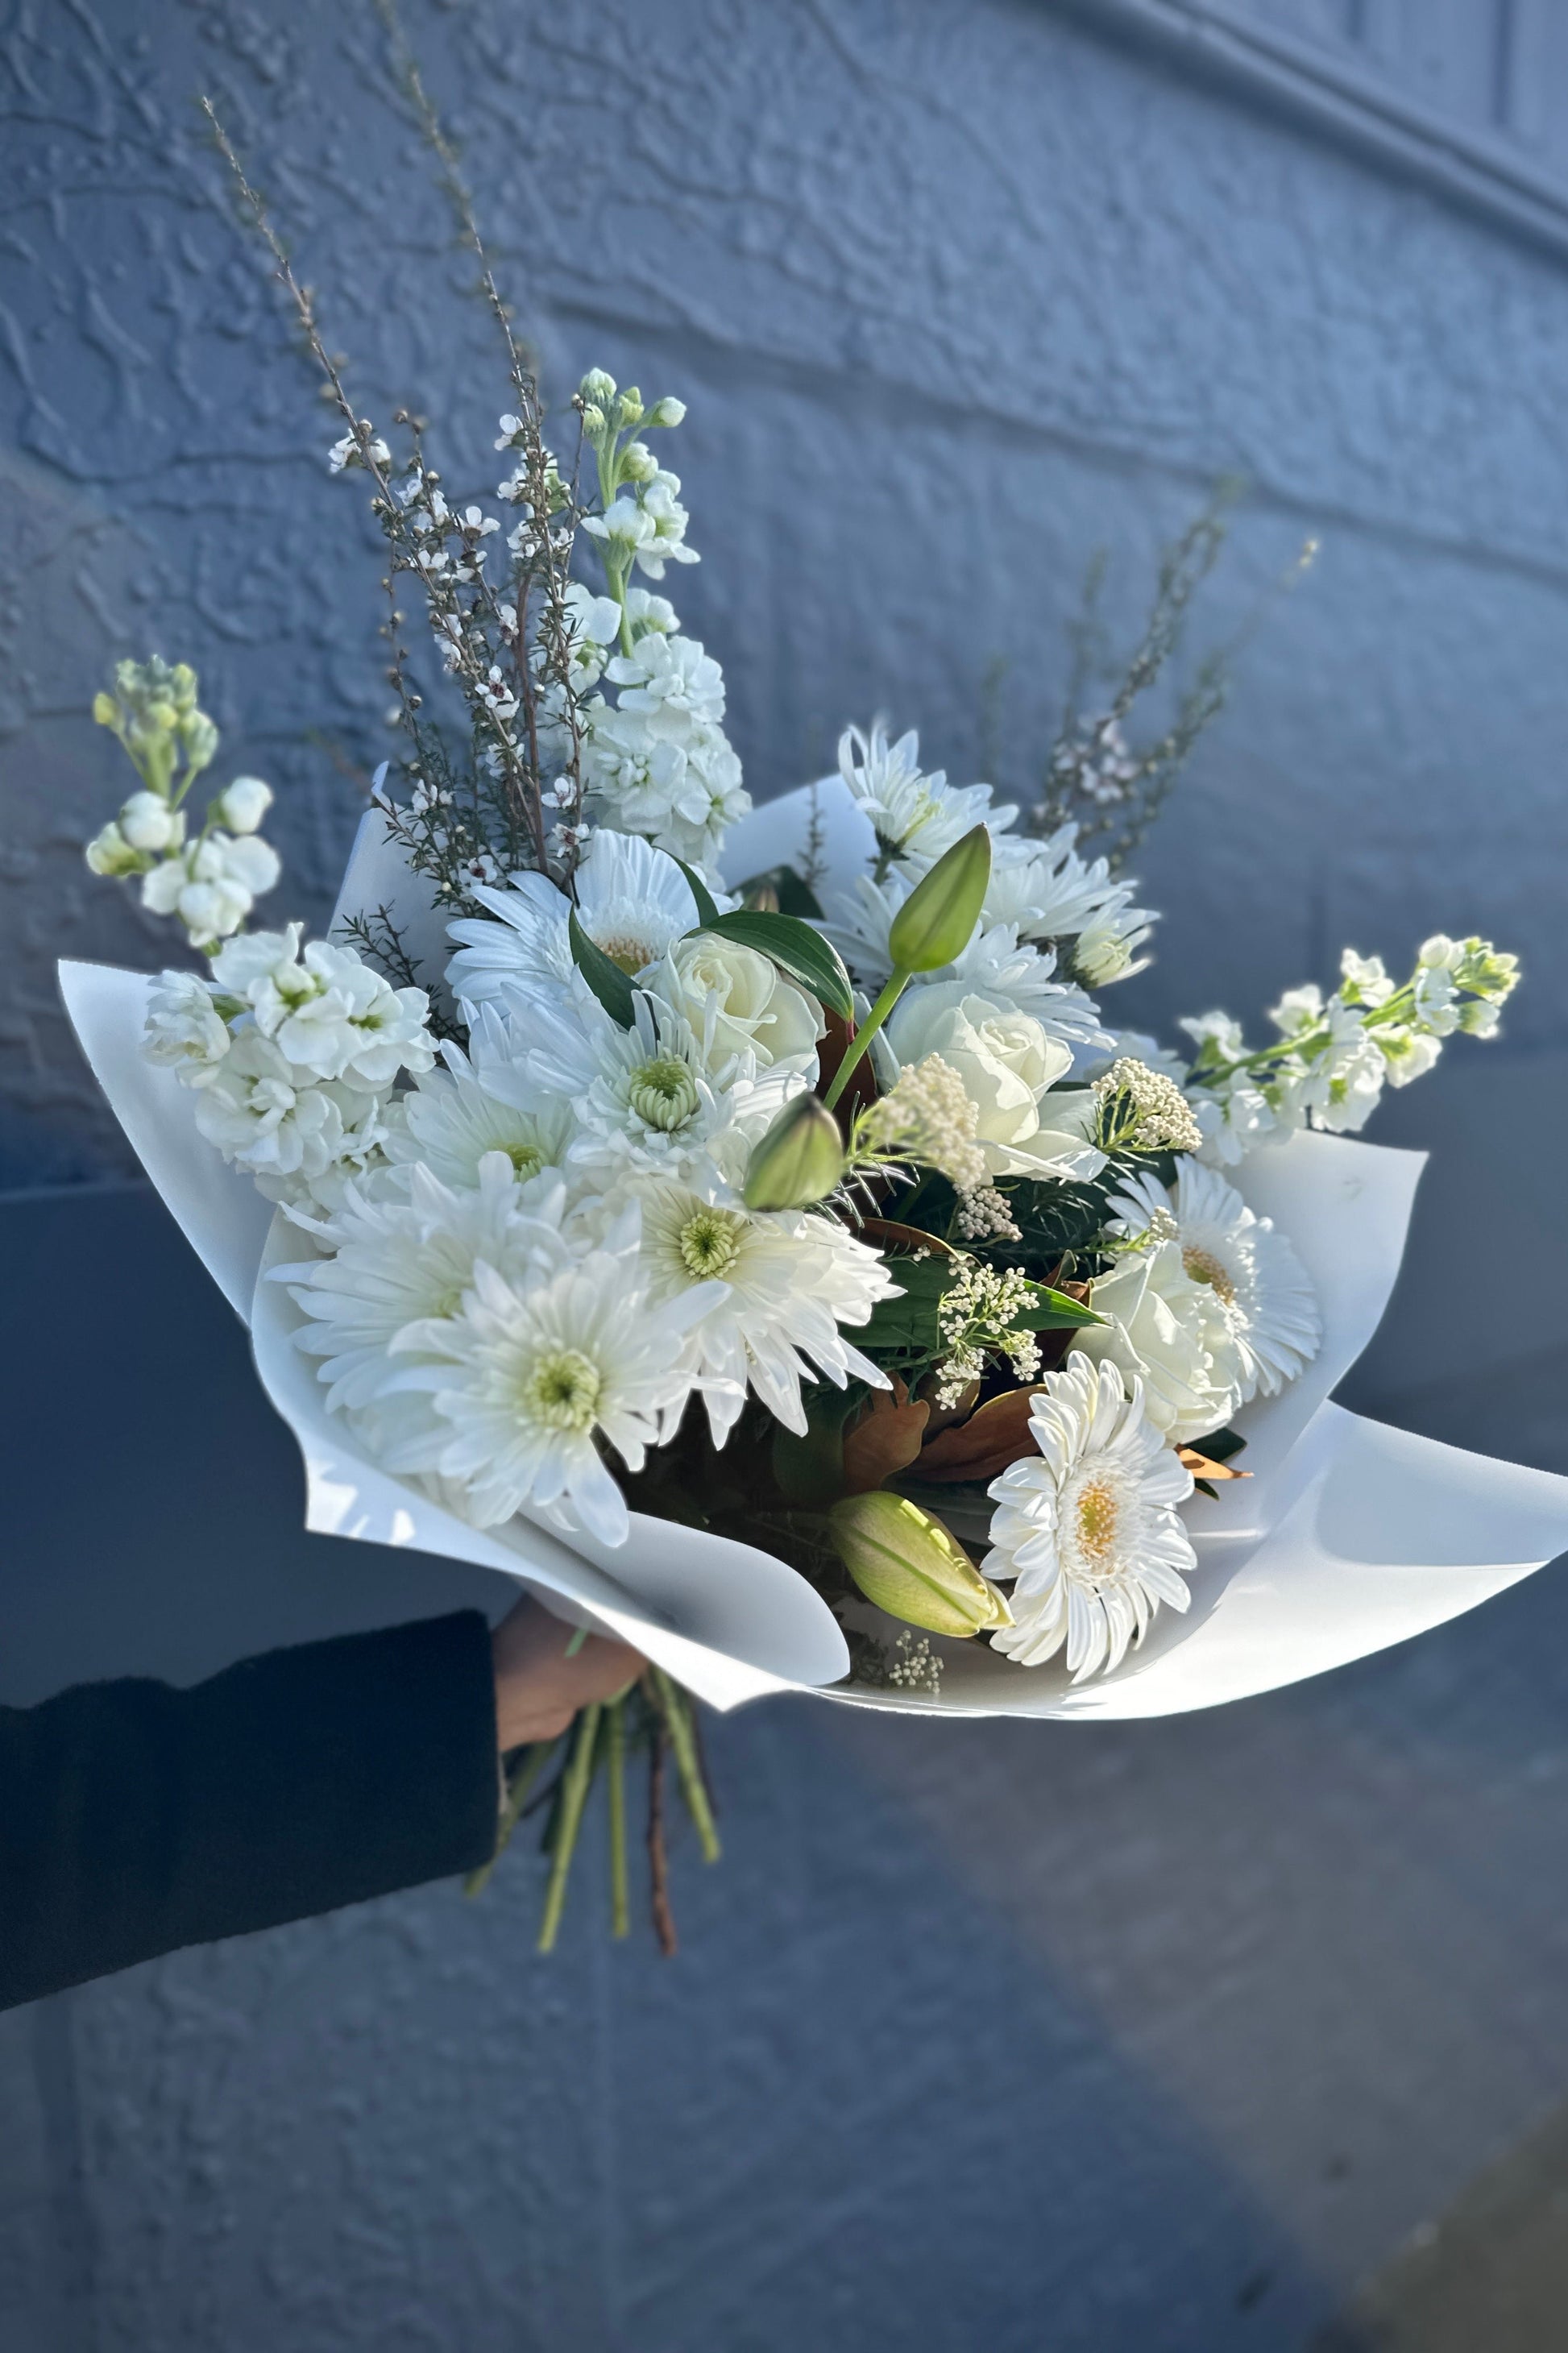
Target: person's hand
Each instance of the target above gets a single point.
(538, 1688)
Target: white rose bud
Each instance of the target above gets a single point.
(242, 804)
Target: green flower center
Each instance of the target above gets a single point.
(526, 1158)
(663, 1093)
(1097, 1513)
(562, 1390)
(710, 1242)
(1204, 1266)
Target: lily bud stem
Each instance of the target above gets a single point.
(855, 1049)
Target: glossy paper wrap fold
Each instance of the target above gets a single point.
(1349, 1536)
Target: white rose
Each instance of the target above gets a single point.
(1008, 1062)
(750, 1002)
(1159, 1316)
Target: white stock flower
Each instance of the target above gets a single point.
(147, 822)
(1155, 1336)
(1086, 1527)
(633, 901)
(666, 541)
(594, 629)
(914, 816)
(534, 1371)
(1006, 1065)
(752, 1004)
(791, 1279)
(185, 1031)
(329, 1013)
(243, 804)
(1257, 1314)
(669, 675)
(1341, 1084)
(212, 885)
(266, 1116)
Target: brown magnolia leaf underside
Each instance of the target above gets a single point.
(982, 1447)
(886, 1439)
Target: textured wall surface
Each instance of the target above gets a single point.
(1206, 2016)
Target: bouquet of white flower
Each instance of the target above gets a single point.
(745, 1227)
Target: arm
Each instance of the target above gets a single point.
(135, 1818)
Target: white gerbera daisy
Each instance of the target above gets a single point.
(1261, 1318)
(396, 1264)
(633, 901)
(537, 1373)
(790, 1280)
(1088, 1526)
(451, 1120)
(915, 817)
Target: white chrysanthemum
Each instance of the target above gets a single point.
(793, 1278)
(394, 1263)
(1260, 1319)
(633, 901)
(656, 1099)
(915, 817)
(999, 965)
(1088, 1526)
(536, 1375)
(451, 1120)
(1157, 1317)
(858, 921)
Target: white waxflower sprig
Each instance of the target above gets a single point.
(210, 881)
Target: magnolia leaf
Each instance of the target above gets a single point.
(886, 1439)
(793, 944)
(907, 1326)
(609, 984)
(981, 1447)
(1204, 1468)
(895, 1240)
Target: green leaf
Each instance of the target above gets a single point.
(609, 984)
(707, 912)
(1053, 1311)
(907, 1326)
(803, 954)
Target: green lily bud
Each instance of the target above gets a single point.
(936, 921)
(910, 1566)
(798, 1161)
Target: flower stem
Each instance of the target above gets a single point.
(574, 1795)
(525, 1775)
(857, 1047)
(673, 1702)
(615, 1766)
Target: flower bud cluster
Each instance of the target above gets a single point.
(210, 881)
(978, 1319)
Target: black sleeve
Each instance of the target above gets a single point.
(135, 1818)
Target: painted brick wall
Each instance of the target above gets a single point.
(1204, 2016)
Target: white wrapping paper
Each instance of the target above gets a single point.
(1348, 1537)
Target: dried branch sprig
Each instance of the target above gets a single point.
(499, 664)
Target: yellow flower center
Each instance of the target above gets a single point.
(1097, 1512)
(562, 1390)
(663, 1093)
(710, 1242)
(1204, 1266)
(622, 949)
